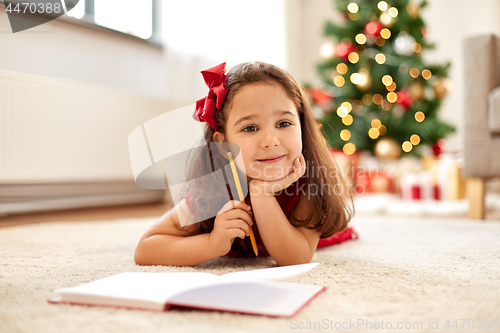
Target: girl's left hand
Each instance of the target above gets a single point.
(258, 187)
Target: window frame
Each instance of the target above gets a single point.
(88, 21)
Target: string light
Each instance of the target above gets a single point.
(352, 7)
(373, 133)
(382, 130)
(377, 99)
(407, 146)
(386, 105)
(414, 72)
(379, 41)
(387, 80)
(347, 105)
(347, 120)
(386, 19)
(426, 74)
(357, 104)
(376, 123)
(380, 58)
(342, 112)
(391, 87)
(382, 5)
(360, 39)
(415, 139)
(342, 68)
(367, 99)
(327, 50)
(392, 97)
(345, 135)
(419, 116)
(385, 33)
(353, 57)
(356, 78)
(416, 47)
(354, 17)
(339, 81)
(393, 11)
(349, 148)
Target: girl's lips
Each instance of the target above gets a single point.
(274, 160)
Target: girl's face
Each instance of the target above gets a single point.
(265, 124)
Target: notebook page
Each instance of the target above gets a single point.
(273, 273)
(135, 288)
(259, 297)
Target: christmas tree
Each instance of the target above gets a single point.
(379, 94)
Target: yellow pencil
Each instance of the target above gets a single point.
(242, 199)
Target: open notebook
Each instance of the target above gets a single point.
(249, 292)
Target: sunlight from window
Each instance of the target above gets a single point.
(79, 10)
(128, 16)
(227, 30)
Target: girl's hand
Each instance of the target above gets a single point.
(258, 187)
(233, 220)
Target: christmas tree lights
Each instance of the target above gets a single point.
(383, 90)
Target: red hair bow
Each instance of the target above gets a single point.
(205, 107)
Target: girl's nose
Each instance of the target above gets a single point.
(270, 139)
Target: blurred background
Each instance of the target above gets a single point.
(73, 89)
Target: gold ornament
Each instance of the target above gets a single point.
(413, 10)
(388, 149)
(441, 87)
(417, 90)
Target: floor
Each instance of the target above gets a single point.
(117, 212)
(409, 272)
(87, 214)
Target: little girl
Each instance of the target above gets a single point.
(265, 112)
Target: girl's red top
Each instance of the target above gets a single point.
(288, 200)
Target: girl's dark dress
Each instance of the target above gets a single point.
(242, 248)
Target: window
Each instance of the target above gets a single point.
(227, 30)
(136, 18)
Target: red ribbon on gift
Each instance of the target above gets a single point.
(205, 107)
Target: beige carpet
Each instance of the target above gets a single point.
(400, 271)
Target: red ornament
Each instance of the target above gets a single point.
(344, 49)
(438, 147)
(319, 96)
(373, 28)
(404, 99)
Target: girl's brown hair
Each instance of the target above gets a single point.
(332, 207)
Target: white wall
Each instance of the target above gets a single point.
(200, 34)
(306, 19)
(448, 23)
(80, 58)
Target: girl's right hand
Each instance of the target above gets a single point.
(233, 220)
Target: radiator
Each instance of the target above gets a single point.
(68, 137)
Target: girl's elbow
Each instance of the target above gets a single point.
(295, 261)
(139, 256)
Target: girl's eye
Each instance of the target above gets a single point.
(285, 123)
(250, 128)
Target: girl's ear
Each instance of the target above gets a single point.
(218, 137)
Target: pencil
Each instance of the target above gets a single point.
(242, 199)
